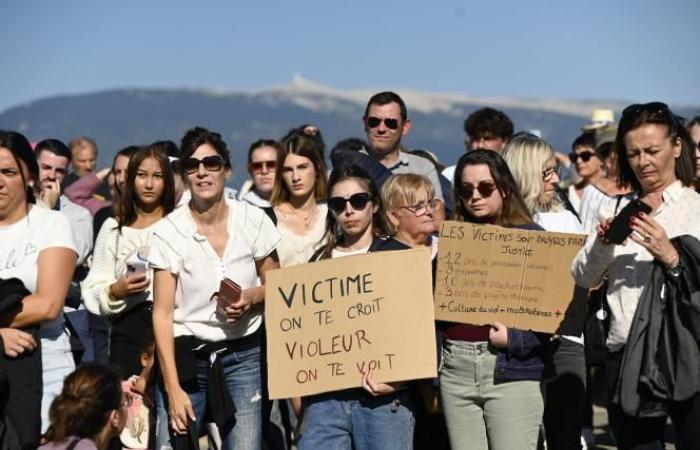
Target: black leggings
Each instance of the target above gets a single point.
(634, 433)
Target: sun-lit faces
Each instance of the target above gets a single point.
(353, 222)
(204, 184)
(383, 139)
(52, 167)
(587, 164)
(550, 180)
(416, 220)
(12, 189)
(84, 159)
(483, 208)
(695, 136)
(149, 182)
(299, 175)
(652, 154)
(262, 169)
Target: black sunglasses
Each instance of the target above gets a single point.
(212, 163)
(373, 122)
(585, 156)
(357, 201)
(485, 189)
(658, 110)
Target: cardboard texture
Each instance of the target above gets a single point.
(327, 321)
(517, 277)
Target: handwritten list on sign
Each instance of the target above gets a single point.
(328, 321)
(517, 277)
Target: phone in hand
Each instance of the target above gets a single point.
(134, 267)
(620, 226)
(229, 291)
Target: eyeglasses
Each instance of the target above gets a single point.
(421, 208)
(585, 156)
(357, 201)
(373, 122)
(656, 110)
(263, 166)
(548, 173)
(212, 163)
(485, 189)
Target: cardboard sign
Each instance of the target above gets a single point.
(517, 277)
(328, 321)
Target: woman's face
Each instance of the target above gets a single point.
(13, 192)
(299, 175)
(476, 178)
(416, 220)
(592, 167)
(652, 154)
(262, 169)
(353, 222)
(611, 169)
(207, 184)
(550, 181)
(149, 182)
(695, 136)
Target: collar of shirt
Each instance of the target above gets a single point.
(673, 192)
(402, 161)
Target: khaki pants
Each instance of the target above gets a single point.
(481, 414)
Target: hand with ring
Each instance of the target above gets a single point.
(649, 234)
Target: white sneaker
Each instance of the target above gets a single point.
(587, 438)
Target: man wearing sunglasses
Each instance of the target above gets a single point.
(386, 122)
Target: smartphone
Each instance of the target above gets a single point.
(229, 291)
(620, 226)
(134, 267)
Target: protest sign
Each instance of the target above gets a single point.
(517, 277)
(328, 321)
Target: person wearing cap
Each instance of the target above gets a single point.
(37, 248)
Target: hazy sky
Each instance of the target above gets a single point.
(628, 50)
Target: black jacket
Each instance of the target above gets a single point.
(661, 362)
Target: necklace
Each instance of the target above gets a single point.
(308, 219)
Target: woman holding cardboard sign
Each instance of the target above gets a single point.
(381, 414)
(490, 379)
(652, 283)
(208, 343)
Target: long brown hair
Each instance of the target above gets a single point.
(302, 145)
(83, 407)
(514, 212)
(128, 201)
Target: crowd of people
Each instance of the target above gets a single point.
(116, 333)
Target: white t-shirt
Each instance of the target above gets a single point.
(22, 242)
(176, 246)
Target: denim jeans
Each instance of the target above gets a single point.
(57, 362)
(242, 373)
(481, 414)
(355, 420)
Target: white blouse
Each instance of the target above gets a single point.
(180, 249)
(629, 266)
(298, 249)
(112, 252)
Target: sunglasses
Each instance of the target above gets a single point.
(212, 163)
(485, 189)
(373, 122)
(548, 173)
(260, 166)
(357, 201)
(657, 110)
(585, 156)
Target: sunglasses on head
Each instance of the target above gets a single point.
(657, 110)
(485, 189)
(258, 166)
(212, 163)
(585, 156)
(373, 122)
(357, 201)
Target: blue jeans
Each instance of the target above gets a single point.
(354, 420)
(242, 373)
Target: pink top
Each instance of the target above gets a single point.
(82, 192)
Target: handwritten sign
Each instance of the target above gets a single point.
(517, 277)
(328, 321)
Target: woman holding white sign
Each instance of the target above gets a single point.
(534, 168)
(652, 282)
(207, 309)
(490, 378)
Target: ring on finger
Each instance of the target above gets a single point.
(647, 239)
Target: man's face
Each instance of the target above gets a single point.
(384, 127)
(486, 142)
(52, 167)
(84, 160)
